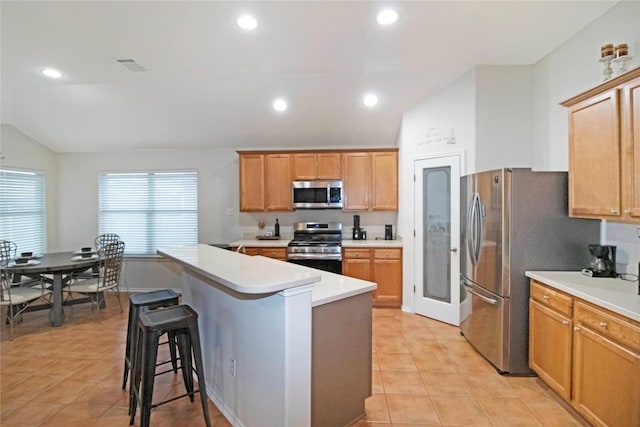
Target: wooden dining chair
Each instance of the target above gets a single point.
(111, 260)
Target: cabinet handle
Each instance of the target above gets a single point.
(627, 211)
(614, 211)
(603, 324)
(546, 297)
(565, 322)
(576, 328)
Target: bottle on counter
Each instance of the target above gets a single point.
(276, 229)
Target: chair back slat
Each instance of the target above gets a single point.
(8, 251)
(104, 239)
(112, 255)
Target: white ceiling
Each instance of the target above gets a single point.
(210, 84)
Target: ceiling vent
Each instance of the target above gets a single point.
(131, 64)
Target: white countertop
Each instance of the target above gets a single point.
(257, 274)
(617, 295)
(346, 243)
(242, 273)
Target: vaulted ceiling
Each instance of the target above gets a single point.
(208, 83)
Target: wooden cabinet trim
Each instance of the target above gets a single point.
(609, 84)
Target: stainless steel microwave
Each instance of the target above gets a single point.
(317, 194)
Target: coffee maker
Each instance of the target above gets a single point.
(603, 261)
(358, 233)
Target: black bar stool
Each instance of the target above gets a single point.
(147, 301)
(182, 321)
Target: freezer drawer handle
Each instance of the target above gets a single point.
(482, 297)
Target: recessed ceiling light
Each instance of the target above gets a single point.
(280, 105)
(370, 100)
(387, 17)
(247, 22)
(52, 73)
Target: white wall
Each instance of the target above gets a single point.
(22, 152)
(78, 189)
(570, 69)
(504, 117)
(499, 132)
(567, 71)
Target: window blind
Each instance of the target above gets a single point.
(149, 210)
(23, 216)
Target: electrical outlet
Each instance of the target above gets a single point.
(233, 367)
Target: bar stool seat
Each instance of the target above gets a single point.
(147, 301)
(182, 321)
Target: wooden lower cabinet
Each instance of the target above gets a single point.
(276, 253)
(550, 342)
(380, 265)
(595, 364)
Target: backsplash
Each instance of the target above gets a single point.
(372, 222)
(625, 237)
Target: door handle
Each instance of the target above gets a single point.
(482, 297)
(454, 249)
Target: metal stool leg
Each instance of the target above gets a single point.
(197, 354)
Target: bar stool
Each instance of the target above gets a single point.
(182, 321)
(147, 301)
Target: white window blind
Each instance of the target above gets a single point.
(149, 210)
(23, 216)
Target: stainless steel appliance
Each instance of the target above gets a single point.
(317, 194)
(317, 245)
(388, 232)
(603, 261)
(513, 220)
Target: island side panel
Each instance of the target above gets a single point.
(341, 361)
(255, 331)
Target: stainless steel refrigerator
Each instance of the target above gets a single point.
(513, 220)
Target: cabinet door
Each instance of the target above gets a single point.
(304, 166)
(631, 155)
(388, 275)
(550, 338)
(384, 181)
(251, 182)
(278, 182)
(606, 380)
(356, 178)
(594, 157)
(329, 166)
(358, 268)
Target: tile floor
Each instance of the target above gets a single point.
(424, 374)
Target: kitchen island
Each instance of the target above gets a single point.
(283, 345)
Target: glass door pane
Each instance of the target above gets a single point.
(437, 233)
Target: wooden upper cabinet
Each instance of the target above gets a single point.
(309, 166)
(594, 156)
(356, 170)
(604, 153)
(278, 182)
(371, 180)
(384, 177)
(631, 149)
(370, 177)
(252, 182)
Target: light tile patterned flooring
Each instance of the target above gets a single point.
(424, 374)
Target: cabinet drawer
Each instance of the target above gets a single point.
(605, 324)
(274, 252)
(552, 299)
(387, 253)
(356, 253)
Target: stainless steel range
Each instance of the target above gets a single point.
(317, 245)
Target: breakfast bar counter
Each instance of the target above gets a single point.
(283, 344)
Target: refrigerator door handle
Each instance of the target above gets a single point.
(472, 229)
(482, 297)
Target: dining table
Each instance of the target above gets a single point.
(60, 265)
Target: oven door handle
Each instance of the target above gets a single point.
(314, 257)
